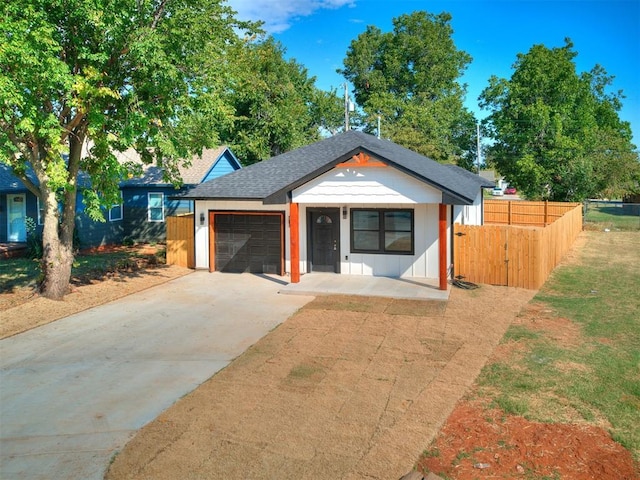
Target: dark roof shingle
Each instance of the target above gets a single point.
(270, 179)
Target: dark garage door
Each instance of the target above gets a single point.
(248, 242)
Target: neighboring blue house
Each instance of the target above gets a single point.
(141, 217)
(16, 204)
(147, 200)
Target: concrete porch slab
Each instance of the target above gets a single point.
(335, 284)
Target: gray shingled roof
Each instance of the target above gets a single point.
(272, 179)
(9, 182)
(191, 175)
(194, 174)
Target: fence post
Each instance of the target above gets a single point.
(509, 212)
(546, 212)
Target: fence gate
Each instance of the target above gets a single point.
(181, 240)
(481, 254)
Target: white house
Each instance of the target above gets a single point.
(349, 204)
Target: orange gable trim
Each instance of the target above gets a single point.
(361, 160)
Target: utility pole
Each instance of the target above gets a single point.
(478, 145)
(378, 126)
(346, 107)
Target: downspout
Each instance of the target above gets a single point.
(452, 243)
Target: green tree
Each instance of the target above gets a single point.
(557, 134)
(409, 77)
(80, 80)
(277, 105)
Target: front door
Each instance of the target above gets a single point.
(325, 239)
(17, 213)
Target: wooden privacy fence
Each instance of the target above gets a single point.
(515, 256)
(517, 212)
(181, 240)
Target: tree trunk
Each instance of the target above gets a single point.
(57, 261)
(57, 233)
(57, 257)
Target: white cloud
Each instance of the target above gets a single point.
(277, 15)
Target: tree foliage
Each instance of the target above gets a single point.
(557, 134)
(277, 106)
(148, 74)
(409, 77)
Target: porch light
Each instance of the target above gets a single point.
(201, 218)
(344, 212)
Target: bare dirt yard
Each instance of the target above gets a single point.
(347, 388)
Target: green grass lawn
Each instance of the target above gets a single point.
(592, 373)
(613, 216)
(24, 272)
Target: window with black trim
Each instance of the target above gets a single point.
(384, 231)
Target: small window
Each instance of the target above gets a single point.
(156, 207)
(382, 231)
(115, 212)
(40, 211)
(324, 220)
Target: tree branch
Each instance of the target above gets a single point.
(66, 110)
(24, 152)
(72, 125)
(158, 14)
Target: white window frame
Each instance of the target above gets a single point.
(118, 208)
(40, 212)
(149, 207)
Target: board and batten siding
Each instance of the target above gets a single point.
(469, 214)
(376, 187)
(423, 263)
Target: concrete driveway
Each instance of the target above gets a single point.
(73, 392)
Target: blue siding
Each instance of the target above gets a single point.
(137, 226)
(225, 164)
(134, 224)
(3, 218)
(89, 233)
(96, 234)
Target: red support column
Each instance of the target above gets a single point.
(442, 243)
(294, 230)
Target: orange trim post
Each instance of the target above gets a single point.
(442, 243)
(294, 230)
(212, 242)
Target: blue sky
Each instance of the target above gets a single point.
(317, 34)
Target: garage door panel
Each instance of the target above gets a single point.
(248, 242)
(272, 236)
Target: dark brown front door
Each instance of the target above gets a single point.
(325, 239)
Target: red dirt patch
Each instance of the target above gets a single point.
(513, 447)
(539, 317)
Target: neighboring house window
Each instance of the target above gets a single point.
(115, 212)
(382, 231)
(40, 212)
(156, 207)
